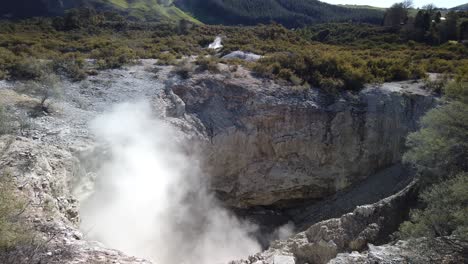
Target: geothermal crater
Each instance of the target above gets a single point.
(214, 168)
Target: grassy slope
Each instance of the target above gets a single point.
(364, 7)
(150, 9)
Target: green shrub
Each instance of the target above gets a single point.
(399, 73)
(457, 90)
(27, 69)
(70, 65)
(331, 85)
(111, 57)
(207, 64)
(439, 151)
(166, 58)
(445, 211)
(184, 69)
(45, 88)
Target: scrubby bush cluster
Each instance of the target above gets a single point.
(366, 54)
(335, 71)
(207, 63)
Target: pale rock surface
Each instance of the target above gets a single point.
(323, 241)
(269, 143)
(413, 251)
(242, 55)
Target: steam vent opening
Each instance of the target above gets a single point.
(150, 198)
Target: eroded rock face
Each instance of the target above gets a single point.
(323, 241)
(419, 251)
(270, 144)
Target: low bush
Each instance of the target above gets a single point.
(184, 69)
(445, 212)
(70, 65)
(166, 58)
(27, 69)
(110, 57)
(6, 125)
(207, 64)
(45, 88)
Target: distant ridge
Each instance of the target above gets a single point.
(291, 13)
(463, 7)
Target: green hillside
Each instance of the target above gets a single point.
(149, 9)
(291, 13)
(463, 7)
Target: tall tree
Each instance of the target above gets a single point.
(396, 15)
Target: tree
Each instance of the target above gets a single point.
(45, 87)
(396, 15)
(439, 151)
(450, 27)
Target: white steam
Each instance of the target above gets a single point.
(216, 44)
(150, 199)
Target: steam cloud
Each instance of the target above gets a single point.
(150, 199)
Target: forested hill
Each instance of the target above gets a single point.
(136, 9)
(291, 13)
(463, 7)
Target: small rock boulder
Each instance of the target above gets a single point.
(238, 54)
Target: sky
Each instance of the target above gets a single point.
(387, 3)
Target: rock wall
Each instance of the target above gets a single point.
(323, 241)
(269, 144)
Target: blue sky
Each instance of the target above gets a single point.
(387, 3)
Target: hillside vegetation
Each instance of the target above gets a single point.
(290, 13)
(65, 43)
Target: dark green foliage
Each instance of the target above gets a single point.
(360, 53)
(26, 69)
(439, 151)
(396, 15)
(290, 13)
(110, 57)
(184, 69)
(207, 64)
(71, 65)
(445, 212)
(335, 71)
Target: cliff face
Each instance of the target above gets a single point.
(271, 144)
